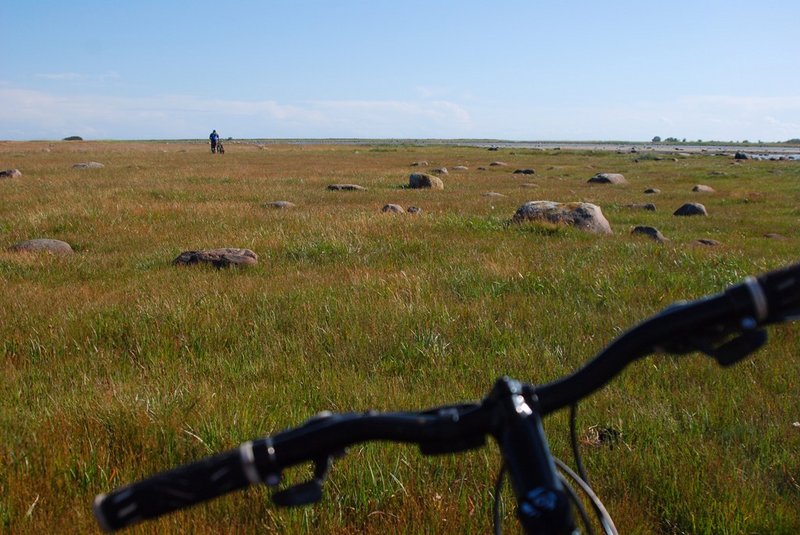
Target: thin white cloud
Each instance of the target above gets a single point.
(747, 103)
(44, 114)
(59, 76)
(28, 114)
(75, 77)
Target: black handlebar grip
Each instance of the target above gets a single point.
(781, 290)
(175, 489)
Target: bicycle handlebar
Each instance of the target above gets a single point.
(726, 326)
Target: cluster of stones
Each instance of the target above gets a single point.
(582, 215)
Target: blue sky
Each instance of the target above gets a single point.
(522, 70)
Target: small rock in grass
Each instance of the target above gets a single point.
(493, 194)
(393, 208)
(650, 207)
(88, 165)
(43, 245)
(608, 178)
(421, 163)
(440, 171)
(219, 258)
(691, 208)
(701, 188)
(498, 164)
(652, 191)
(10, 173)
(650, 232)
(707, 242)
(460, 168)
(414, 210)
(526, 171)
(346, 187)
(774, 236)
(279, 205)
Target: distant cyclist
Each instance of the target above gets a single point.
(214, 137)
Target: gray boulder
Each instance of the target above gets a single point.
(608, 178)
(585, 216)
(424, 180)
(741, 156)
(43, 245)
(219, 258)
(10, 173)
(691, 208)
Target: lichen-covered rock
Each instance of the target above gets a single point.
(583, 215)
(43, 245)
(219, 258)
(424, 180)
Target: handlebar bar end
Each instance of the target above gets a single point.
(99, 515)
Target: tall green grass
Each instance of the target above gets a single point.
(117, 364)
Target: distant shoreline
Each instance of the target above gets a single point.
(618, 146)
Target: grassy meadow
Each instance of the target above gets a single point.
(117, 364)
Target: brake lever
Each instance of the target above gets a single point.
(307, 492)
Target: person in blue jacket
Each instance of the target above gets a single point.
(214, 137)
